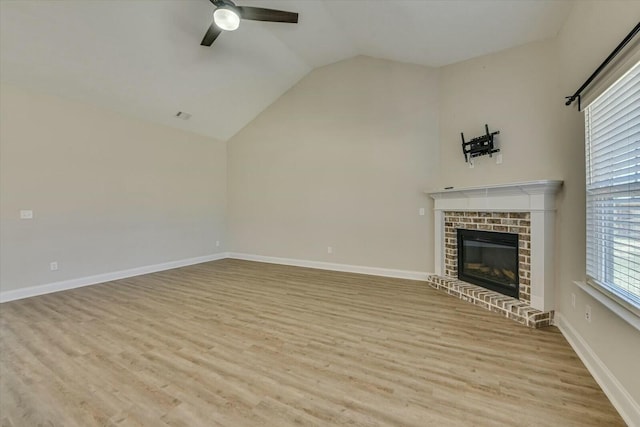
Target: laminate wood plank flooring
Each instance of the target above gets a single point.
(239, 343)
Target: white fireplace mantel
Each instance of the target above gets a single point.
(536, 197)
(520, 196)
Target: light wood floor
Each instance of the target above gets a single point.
(237, 343)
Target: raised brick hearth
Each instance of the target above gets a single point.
(527, 209)
(512, 308)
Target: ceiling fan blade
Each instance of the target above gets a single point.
(271, 15)
(212, 34)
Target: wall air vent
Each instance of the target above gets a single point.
(182, 115)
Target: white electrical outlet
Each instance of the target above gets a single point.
(26, 214)
(217, 243)
(499, 159)
(53, 266)
(421, 212)
(471, 165)
(573, 300)
(587, 313)
(329, 250)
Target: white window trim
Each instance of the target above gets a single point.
(603, 293)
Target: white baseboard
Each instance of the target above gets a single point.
(621, 399)
(64, 285)
(374, 271)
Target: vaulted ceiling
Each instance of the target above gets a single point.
(143, 57)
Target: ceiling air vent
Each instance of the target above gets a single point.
(182, 115)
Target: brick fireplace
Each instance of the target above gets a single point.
(509, 222)
(526, 209)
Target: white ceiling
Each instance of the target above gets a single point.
(143, 57)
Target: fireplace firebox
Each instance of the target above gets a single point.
(489, 259)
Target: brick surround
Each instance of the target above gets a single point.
(525, 208)
(505, 222)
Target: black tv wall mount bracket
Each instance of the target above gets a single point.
(479, 146)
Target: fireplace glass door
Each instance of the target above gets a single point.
(489, 259)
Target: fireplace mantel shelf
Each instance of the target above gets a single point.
(529, 187)
(519, 196)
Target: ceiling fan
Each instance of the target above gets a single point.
(227, 17)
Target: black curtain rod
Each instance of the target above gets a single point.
(606, 62)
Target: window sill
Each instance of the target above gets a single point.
(616, 308)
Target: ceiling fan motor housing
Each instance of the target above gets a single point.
(227, 16)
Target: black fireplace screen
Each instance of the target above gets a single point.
(489, 259)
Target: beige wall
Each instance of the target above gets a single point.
(592, 31)
(108, 192)
(521, 92)
(514, 91)
(340, 160)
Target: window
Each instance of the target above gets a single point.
(612, 124)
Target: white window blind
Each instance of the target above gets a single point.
(612, 124)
